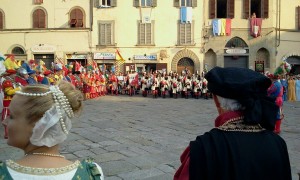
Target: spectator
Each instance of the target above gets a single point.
(242, 146)
(40, 119)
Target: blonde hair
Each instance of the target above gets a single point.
(35, 106)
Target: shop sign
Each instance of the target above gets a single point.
(76, 56)
(104, 55)
(43, 48)
(236, 51)
(147, 57)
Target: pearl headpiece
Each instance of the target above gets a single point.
(60, 100)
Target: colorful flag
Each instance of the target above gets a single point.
(119, 56)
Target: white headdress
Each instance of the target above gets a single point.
(55, 124)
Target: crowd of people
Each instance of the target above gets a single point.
(248, 103)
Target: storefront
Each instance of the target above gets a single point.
(105, 61)
(80, 58)
(44, 52)
(236, 53)
(145, 63)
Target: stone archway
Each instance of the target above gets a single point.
(185, 53)
(210, 60)
(263, 55)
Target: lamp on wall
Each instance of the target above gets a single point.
(129, 59)
(145, 54)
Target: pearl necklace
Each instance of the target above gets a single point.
(47, 154)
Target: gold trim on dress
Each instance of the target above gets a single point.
(238, 125)
(41, 171)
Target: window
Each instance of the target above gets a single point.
(17, 50)
(1, 20)
(256, 8)
(186, 3)
(38, 1)
(145, 3)
(185, 33)
(76, 18)
(106, 29)
(105, 3)
(39, 18)
(221, 9)
(145, 33)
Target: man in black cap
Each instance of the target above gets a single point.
(242, 146)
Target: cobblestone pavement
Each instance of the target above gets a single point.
(142, 138)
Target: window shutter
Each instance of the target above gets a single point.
(212, 9)
(42, 19)
(108, 34)
(1, 20)
(96, 3)
(142, 33)
(113, 3)
(230, 9)
(35, 19)
(298, 11)
(102, 34)
(154, 3)
(181, 33)
(246, 9)
(136, 3)
(188, 29)
(265, 8)
(176, 3)
(148, 33)
(194, 3)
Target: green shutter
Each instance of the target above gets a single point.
(176, 3)
(194, 3)
(154, 3)
(113, 3)
(136, 3)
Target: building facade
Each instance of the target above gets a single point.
(46, 30)
(149, 35)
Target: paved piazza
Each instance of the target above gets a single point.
(142, 138)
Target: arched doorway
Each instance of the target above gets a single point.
(295, 63)
(210, 60)
(185, 64)
(263, 55)
(187, 58)
(236, 53)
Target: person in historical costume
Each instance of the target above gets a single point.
(275, 91)
(44, 122)
(22, 77)
(78, 81)
(114, 81)
(197, 88)
(284, 84)
(242, 146)
(32, 79)
(297, 87)
(187, 86)
(204, 93)
(154, 87)
(175, 84)
(291, 89)
(46, 80)
(164, 86)
(9, 88)
(144, 82)
(86, 84)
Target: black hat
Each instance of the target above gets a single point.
(249, 88)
